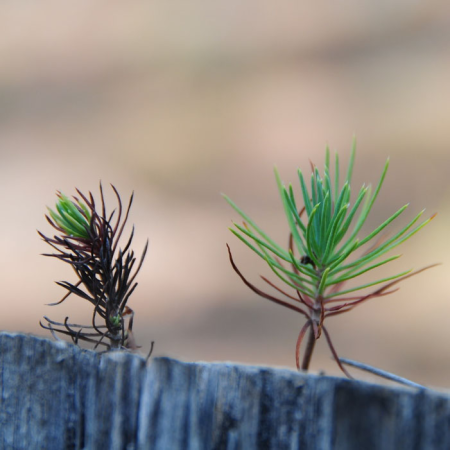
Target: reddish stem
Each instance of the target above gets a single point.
(309, 349)
(299, 342)
(261, 293)
(335, 355)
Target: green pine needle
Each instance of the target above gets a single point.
(328, 217)
(73, 218)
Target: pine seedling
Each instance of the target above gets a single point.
(325, 252)
(88, 240)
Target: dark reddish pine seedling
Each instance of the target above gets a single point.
(88, 240)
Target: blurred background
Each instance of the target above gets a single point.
(181, 102)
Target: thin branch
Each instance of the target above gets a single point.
(261, 293)
(346, 299)
(381, 373)
(150, 352)
(299, 342)
(280, 290)
(379, 291)
(309, 346)
(335, 356)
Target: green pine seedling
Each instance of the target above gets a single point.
(325, 250)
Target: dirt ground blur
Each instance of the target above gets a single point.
(181, 102)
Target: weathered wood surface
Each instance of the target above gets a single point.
(56, 396)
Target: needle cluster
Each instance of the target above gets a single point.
(324, 251)
(88, 240)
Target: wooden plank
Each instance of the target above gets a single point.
(56, 396)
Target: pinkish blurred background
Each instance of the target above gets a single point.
(182, 101)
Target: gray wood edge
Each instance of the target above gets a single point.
(54, 395)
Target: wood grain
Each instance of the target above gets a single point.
(55, 396)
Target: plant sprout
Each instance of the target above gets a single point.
(88, 240)
(324, 250)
